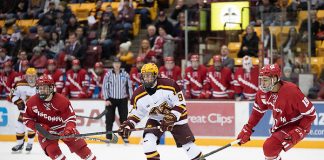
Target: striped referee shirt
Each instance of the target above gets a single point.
(117, 86)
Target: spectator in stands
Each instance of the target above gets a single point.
(144, 49)
(125, 17)
(300, 64)
(97, 11)
(320, 34)
(194, 14)
(81, 36)
(180, 7)
(266, 12)
(48, 19)
(303, 31)
(60, 27)
(16, 35)
(77, 1)
(39, 59)
(20, 11)
(163, 21)
(3, 56)
(267, 42)
(4, 36)
(167, 40)
(286, 15)
(151, 34)
(35, 7)
(289, 47)
(106, 32)
(110, 13)
(249, 44)
(73, 50)
(180, 36)
(41, 36)
(22, 56)
(72, 25)
(143, 10)
(226, 60)
(66, 11)
(126, 56)
(55, 45)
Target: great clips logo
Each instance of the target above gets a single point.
(211, 119)
(3, 116)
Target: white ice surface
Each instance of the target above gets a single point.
(135, 152)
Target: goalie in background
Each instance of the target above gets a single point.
(162, 100)
(53, 111)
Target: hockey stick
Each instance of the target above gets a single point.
(97, 117)
(113, 140)
(219, 149)
(49, 136)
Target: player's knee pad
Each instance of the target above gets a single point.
(272, 148)
(149, 143)
(54, 152)
(192, 150)
(20, 127)
(85, 153)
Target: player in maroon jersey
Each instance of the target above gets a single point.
(55, 113)
(292, 112)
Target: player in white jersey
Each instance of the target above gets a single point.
(19, 96)
(162, 100)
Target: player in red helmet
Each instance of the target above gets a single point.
(194, 78)
(96, 79)
(292, 112)
(55, 113)
(170, 70)
(7, 78)
(135, 74)
(218, 82)
(56, 74)
(77, 81)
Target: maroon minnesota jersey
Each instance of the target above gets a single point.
(55, 113)
(288, 105)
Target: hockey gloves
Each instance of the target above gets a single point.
(295, 135)
(245, 134)
(168, 122)
(20, 104)
(124, 129)
(69, 130)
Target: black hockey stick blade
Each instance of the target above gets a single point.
(97, 117)
(49, 136)
(219, 149)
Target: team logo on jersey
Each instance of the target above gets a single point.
(163, 108)
(48, 106)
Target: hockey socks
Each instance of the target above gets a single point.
(85, 153)
(152, 155)
(192, 151)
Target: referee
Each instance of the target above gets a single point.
(116, 90)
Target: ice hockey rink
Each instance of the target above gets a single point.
(167, 152)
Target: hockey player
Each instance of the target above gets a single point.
(56, 74)
(96, 79)
(194, 77)
(135, 73)
(77, 81)
(162, 101)
(22, 70)
(246, 80)
(170, 70)
(23, 90)
(7, 78)
(218, 82)
(292, 112)
(55, 113)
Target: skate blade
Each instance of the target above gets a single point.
(16, 152)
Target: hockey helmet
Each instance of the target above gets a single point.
(31, 76)
(247, 63)
(44, 86)
(149, 73)
(269, 76)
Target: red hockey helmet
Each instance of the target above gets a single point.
(45, 86)
(139, 59)
(267, 76)
(217, 58)
(51, 61)
(168, 59)
(75, 62)
(98, 65)
(194, 57)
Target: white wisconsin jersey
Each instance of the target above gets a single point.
(23, 91)
(167, 98)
